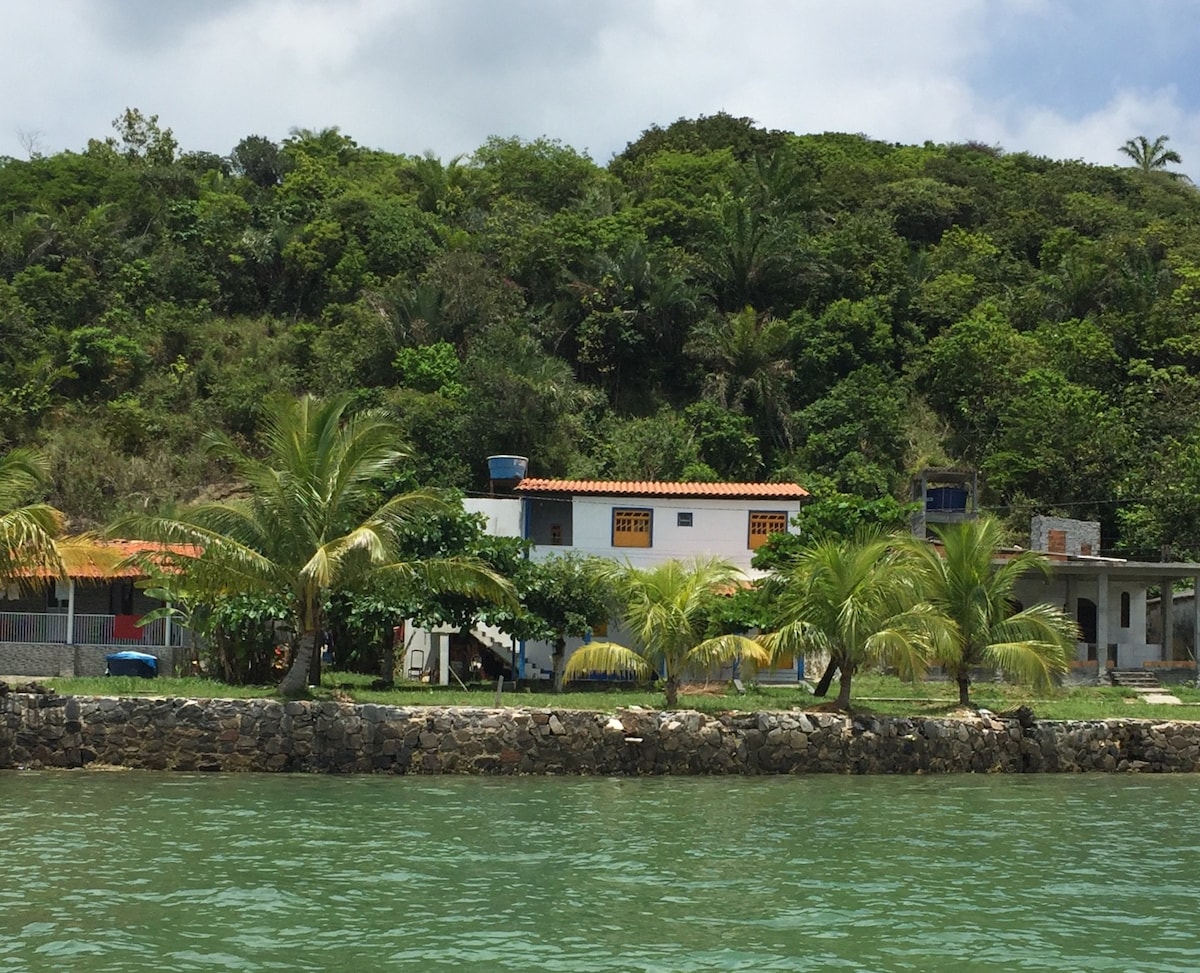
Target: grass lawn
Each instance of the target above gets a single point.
(880, 694)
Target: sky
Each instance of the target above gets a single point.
(1069, 79)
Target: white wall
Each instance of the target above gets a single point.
(1062, 592)
(503, 514)
(719, 528)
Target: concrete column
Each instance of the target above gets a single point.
(71, 612)
(1102, 628)
(167, 627)
(443, 645)
(1166, 605)
(1068, 607)
(1196, 627)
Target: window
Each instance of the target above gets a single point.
(631, 527)
(556, 535)
(683, 519)
(763, 523)
(58, 595)
(1124, 609)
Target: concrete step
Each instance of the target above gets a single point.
(1134, 678)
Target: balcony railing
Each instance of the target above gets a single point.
(89, 630)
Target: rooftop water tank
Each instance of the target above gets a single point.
(506, 472)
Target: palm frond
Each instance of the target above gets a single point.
(608, 658)
(725, 648)
(464, 575)
(1034, 662)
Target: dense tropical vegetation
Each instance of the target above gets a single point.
(717, 301)
(314, 520)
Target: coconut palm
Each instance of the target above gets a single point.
(970, 583)
(312, 517)
(1151, 156)
(29, 532)
(666, 611)
(33, 547)
(856, 599)
(747, 356)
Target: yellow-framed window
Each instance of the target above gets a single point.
(632, 527)
(764, 523)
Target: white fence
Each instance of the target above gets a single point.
(51, 628)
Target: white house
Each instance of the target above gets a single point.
(646, 523)
(642, 523)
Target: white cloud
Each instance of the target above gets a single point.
(1096, 136)
(410, 75)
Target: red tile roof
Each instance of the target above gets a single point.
(106, 561)
(122, 550)
(656, 488)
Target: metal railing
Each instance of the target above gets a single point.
(32, 627)
(89, 630)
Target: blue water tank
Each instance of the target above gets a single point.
(946, 499)
(507, 468)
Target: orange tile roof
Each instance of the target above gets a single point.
(109, 557)
(127, 549)
(658, 488)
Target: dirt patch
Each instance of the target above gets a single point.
(704, 689)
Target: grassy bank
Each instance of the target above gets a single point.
(885, 695)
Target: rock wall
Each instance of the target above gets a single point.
(328, 737)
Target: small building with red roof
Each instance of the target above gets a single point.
(55, 626)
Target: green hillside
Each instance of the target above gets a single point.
(717, 301)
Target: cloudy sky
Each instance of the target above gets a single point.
(1063, 78)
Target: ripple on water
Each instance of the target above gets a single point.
(136, 872)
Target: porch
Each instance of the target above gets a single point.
(116, 631)
(66, 628)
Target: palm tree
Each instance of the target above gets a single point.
(1151, 156)
(857, 599)
(29, 532)
(969, 583)
(313, 517)
(666, 610)
(749, 364)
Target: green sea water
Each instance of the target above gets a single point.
(140, 872)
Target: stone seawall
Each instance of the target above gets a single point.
(329, 737)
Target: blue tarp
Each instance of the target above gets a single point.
(131, 664)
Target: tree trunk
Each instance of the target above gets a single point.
(843, 699)
(223, 656)
(559, 662)
(295, 682)
(387, 659)
(964, 689)
(314, 663)
(672, 691)
(826, 679)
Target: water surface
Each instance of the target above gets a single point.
(134, 871)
